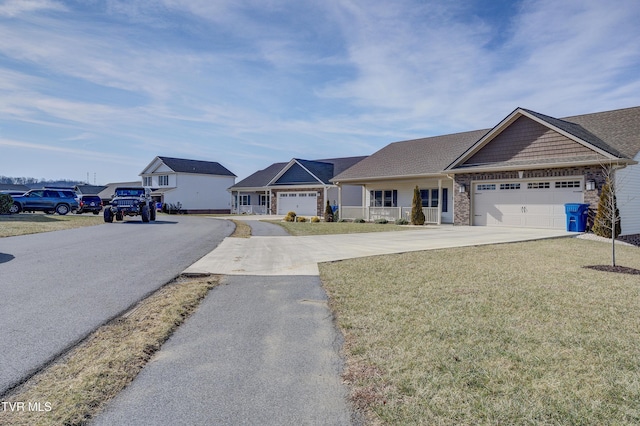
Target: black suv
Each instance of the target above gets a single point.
(89, 203)
(47, 200)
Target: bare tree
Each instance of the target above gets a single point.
(607, 222)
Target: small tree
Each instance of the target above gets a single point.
(328, 213)
(417, 215)
(6, 201)
(607, 221)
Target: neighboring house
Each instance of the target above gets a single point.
(109, 190)
(520, 173)
(89, 189)
(302, 186)
(199, 186)
(13, 188)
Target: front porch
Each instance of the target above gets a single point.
(431, 214)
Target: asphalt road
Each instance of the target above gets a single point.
(57, 287)
(258, 351)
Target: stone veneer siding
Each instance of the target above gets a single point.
(319, 198)
(462, 200)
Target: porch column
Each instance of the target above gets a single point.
(231, 202)
(439, 201)
(322, 205)
(363, 203)
(238, 202)
(339, 198)
(269, 211)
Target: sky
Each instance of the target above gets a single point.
(94, 90)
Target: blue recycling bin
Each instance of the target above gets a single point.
(576, 216)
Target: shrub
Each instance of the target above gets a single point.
(417, 215)
(328, 213)
(6, 201)
(359, 220)
(290, 217)
(344, 220)
(302, 219)
(402, 221)
(315, 219)
(607, 213)
(381, 221)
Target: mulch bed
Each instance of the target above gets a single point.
(618, 269)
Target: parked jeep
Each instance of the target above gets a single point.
(130, 201)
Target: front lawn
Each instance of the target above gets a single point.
(327, 228)
(33, 223)
(502, 334)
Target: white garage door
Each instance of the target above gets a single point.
(303, 203)
(537, 204)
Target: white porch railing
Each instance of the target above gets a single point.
(352, 212)
(250, 210)
(389, 213)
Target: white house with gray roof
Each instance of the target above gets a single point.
(522, 172)
(199, 186)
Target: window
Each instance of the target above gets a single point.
(264, 200)
(146, 181)
(424, 195)
(387, 198)
(508, 186)
(568, 184)
(486, 187)
(430, 197)
(245, 200)
(163, 180)
(538, 185)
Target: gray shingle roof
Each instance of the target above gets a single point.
(415, 157)
(319, 168)
(619, 129)
(261, 177)
(182, 165)
(616, 132)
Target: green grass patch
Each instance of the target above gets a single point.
(504, 334)
(33, 223)
(78, 386)
(327, 228)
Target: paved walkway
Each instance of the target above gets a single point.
(262, 348)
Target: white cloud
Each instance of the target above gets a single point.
(12, 8)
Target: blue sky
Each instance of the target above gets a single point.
(100, 87)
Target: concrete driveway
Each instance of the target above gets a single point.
(300, 255)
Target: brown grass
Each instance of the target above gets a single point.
(74, 389)
(515, 334)
(33, 223)
(327, 228)
(242, 229)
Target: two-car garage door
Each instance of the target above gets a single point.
(302, 203)
(536, 204)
